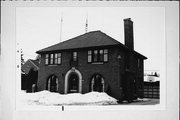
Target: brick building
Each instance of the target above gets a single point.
(93, 62)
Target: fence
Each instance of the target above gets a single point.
(151, 89)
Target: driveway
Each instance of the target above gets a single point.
(148, 101)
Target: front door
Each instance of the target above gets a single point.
(98, 84)
(73, 84)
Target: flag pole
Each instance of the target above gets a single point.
(86, 26)
(61, 27)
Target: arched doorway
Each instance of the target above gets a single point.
(97, 83)
(52, 83)
(73, 83)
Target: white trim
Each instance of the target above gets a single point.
(73, 70)
(99, 63)
(92, 84)
(49, 81)
(57, 84)
(102, 81)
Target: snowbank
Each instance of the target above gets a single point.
(49, 98)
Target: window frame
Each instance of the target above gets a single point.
(89, 56)
(97, 56)
(59, 58)
(74, 56)
(46, 59)
(104, 53)
(53, 58)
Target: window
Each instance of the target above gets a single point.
(98, 55)
(89, 56)
(53, 59)
(101, 55)
(74, 56)
(52, 83)
(59, 58)
(97, 83)
(47, 59)
(105, 55)
(95, 56)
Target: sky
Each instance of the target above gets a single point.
(40, 27)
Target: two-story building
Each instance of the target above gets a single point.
(93, 61)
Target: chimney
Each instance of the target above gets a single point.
(128, 33)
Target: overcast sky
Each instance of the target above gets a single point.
(39, 27)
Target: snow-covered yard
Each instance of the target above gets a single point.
(46, 98)
(49, 98)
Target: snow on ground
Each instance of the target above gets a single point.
(49, 98)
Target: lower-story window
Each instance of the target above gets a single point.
(97, 83)
(52, 83)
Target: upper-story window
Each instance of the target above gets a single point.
(89, 56)
(74, 56)
(53, 59)
(59, 58)
(95, 56)
(105, 55)
(98, 55)
(47, 59)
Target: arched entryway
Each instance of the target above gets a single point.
(97, 83)
(52, 83)
(73, 81)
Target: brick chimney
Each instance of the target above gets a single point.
(128, 33)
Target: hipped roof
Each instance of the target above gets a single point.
(90, 39)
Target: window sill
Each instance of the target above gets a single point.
(53, 65)
(99, 63)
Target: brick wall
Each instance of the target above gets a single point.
(112, 71)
